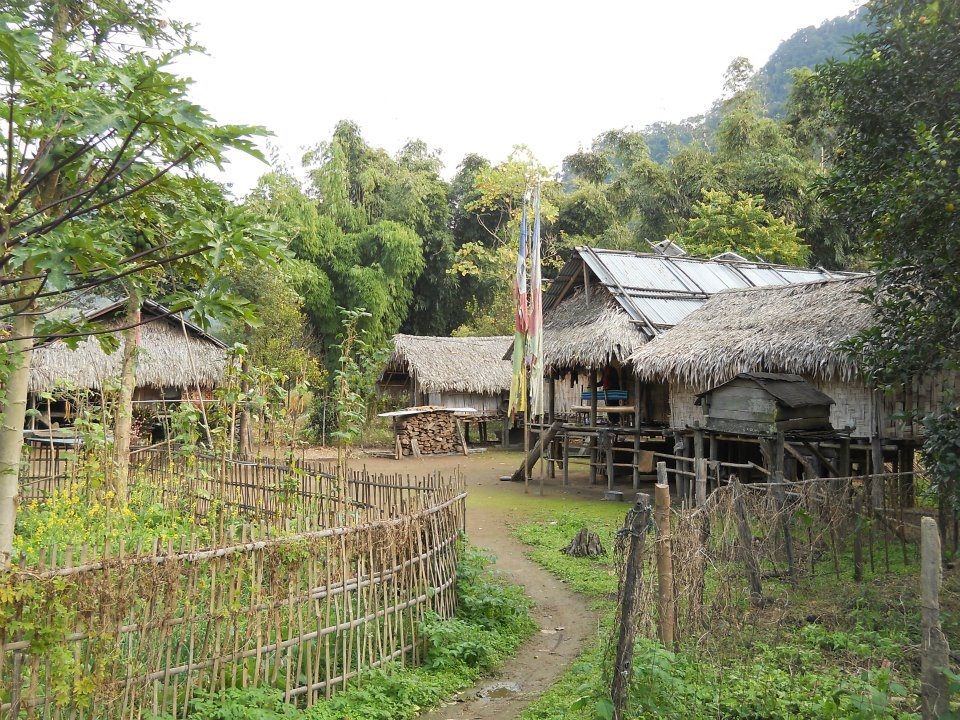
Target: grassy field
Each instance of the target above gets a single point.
(824, 648)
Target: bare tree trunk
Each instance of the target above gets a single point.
(636, 526)
(123, 425)
(11, 430)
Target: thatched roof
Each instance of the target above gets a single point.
(165, 358)
(658, 291)
(454, 364)
(580, 334)
(792, 329)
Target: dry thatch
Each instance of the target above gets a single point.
(165, 359)
(577, 334)
(453, 364)
(791, 329)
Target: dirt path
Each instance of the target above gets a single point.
(563, 616)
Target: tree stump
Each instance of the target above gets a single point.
(585, 544)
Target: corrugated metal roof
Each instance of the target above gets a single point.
(658, 291)
(667, 312)
(713, 276)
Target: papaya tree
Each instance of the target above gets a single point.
(92, 116)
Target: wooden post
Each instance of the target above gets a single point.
(606, 440)
(666, 601)
(697, 443)
(593, 424)
(876, 465)
(530, 459)
(552, 415)
(566, 458)
(463, 437)
(746, 545)
(636, 526)
(505, 434)
(843, 462)
(776, 450)
(701, 480)
(934, 649)
(637, 419)
(526, 436)
(857, 538)
(681, 480)
(905, 481)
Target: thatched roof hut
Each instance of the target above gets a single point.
(454, 364)
(795, 329)
(172, 353)
(581, 334)
(605, 304)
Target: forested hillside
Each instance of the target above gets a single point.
(386, 232)
(805, 49)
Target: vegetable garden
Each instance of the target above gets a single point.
(225, 575)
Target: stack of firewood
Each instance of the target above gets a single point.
(432, 433)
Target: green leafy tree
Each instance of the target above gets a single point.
(740, 224)
(370, 209)
(92, 117)
(620, 196)
(418, 198)
(895, 179)
(895, 183)
(280, 199)
(497, 203)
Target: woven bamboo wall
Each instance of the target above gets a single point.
(484, 404)
(853, 406)
(682, 410)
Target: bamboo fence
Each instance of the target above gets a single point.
(749, 543)
(327, 579)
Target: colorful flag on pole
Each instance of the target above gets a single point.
(518, 385)
(535, 319)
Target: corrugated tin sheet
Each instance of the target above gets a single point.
(666, 312)
(636, 271)
(713, 276)
(661, 291)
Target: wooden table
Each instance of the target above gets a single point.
(581, 410)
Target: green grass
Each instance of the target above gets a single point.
(594, 577)
(492, 620)
(825, 648)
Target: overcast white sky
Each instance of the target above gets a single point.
(473, 77)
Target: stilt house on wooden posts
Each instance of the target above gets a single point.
(175, 359)
(602, 308)
(797, 329)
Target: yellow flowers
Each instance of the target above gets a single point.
(75, 517)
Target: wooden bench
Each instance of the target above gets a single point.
(605, 395)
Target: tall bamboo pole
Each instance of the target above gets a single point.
(526, 428)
